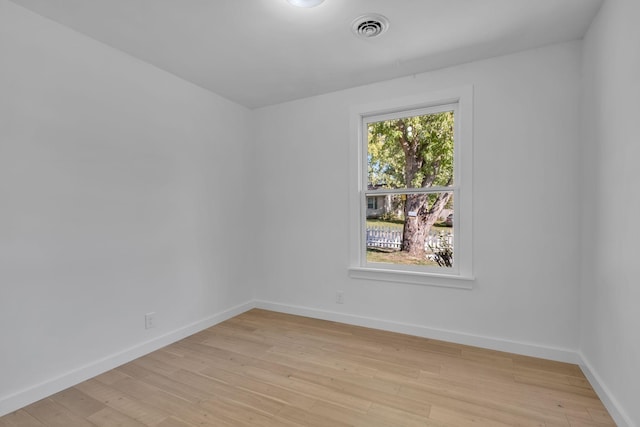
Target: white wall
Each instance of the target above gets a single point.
(526, 260)
(120, 188)
(610, 336)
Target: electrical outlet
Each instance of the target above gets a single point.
(150, 320)
(340, 297)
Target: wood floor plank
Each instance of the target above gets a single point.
(310, 389)
(340, 414)
(185, 411)
(270, 390)
(52, 414)
(258, 402)
(271, 369)
(122, 402)
(78, 402)
(20, 418)
(174, 422)
(487, 407)
(308, 418)
(109, 417)
(462, 418)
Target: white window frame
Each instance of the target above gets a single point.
(461, 274)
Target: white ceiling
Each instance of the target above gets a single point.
(262, 52)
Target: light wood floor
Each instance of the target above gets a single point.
(269, 369)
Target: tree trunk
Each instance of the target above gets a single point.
(419, 217)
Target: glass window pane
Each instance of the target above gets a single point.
(411, 152)
(411, 229)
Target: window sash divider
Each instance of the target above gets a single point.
(421, 190)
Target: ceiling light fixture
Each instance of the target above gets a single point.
(305, 3)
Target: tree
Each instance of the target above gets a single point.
(411, 153)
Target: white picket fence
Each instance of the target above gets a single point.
(387, 237)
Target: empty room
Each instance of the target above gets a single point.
(319, 213)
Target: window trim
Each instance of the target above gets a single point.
(462, 277)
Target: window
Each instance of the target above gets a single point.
(372, 203)
(411, 190)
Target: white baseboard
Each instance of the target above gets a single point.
(51, 386)
(613, 406)
(551, 353)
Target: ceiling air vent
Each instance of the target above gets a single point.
(369, 26)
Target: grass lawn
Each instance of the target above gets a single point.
(393, 256)
(399, 224)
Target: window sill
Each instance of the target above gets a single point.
(412, 277)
